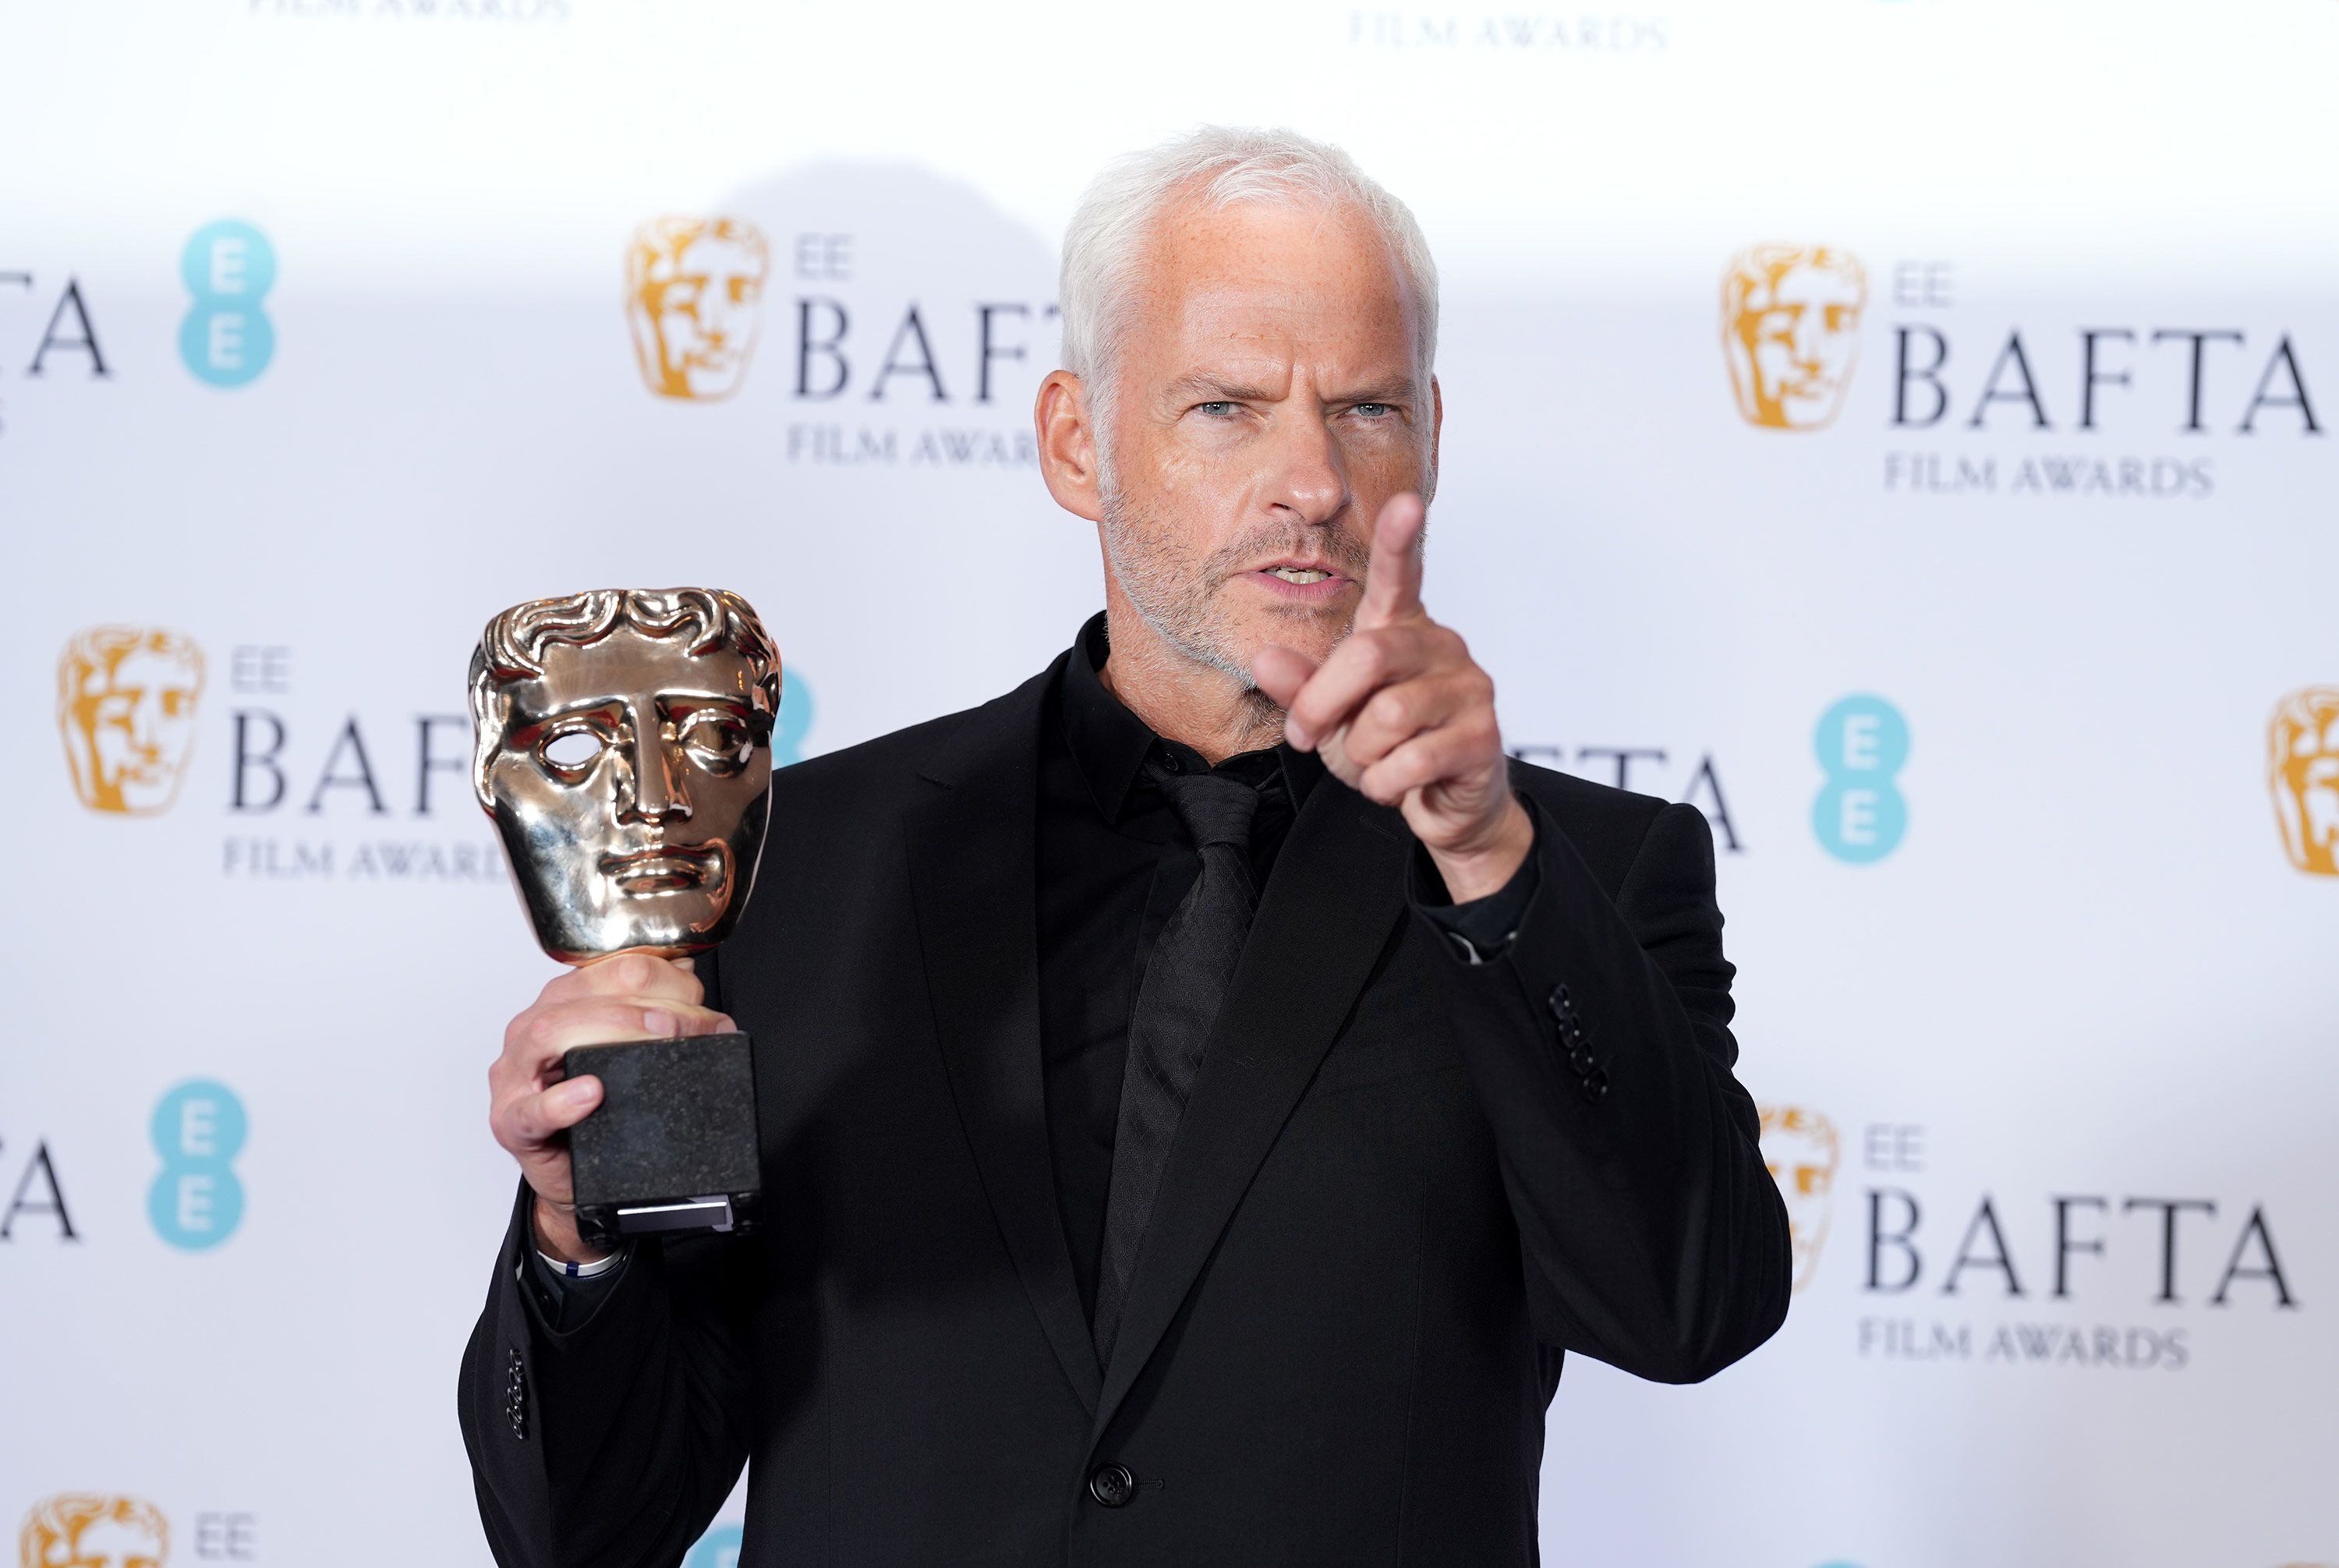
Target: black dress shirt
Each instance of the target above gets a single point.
(1115, 862)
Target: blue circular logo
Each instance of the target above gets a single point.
(226, 339)
(1860, 814)
(718, 1548)
(796, 710)
(196, 1201)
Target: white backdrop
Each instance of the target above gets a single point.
(2053, 990)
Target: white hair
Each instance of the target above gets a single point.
(1213, 168)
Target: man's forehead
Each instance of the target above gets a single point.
(1267, 272)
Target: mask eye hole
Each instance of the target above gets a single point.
(571, 753)
(716, 741)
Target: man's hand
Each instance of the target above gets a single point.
(1401, 712)
(632, 996)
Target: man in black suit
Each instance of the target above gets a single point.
(1203, 1092)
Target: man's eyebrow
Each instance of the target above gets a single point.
(1402, 391)
(1203, 385)
(1213, 388)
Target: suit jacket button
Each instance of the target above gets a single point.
(1561, 1003)
(1595, 1085)
(1580, 1062)
(1113, 1486)
(516, 1396)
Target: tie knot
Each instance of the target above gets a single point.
(1215, 808)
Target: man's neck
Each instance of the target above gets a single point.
(1180, 698)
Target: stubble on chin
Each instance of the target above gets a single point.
(1176, 597)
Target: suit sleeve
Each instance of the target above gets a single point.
(614, 1442)
(1599, 1041)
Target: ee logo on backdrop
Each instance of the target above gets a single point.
(1862, 743)
(197, 1201)
(226, 339)
(718, 1548)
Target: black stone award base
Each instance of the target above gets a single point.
(671, 1144)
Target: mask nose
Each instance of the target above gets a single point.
(650, 788)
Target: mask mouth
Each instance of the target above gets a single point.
(649, 873)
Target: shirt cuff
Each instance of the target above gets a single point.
(1481, 929)
(564, 1295)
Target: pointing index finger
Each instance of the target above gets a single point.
(1393, 581)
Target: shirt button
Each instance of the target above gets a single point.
(1113, 1486)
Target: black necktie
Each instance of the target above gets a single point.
(1185, 980)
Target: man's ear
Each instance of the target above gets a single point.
(1068, 446)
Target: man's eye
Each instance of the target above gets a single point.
(1217, 409)
(1375, 410)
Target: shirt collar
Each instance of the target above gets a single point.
(1112, 743)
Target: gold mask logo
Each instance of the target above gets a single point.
(80, 1530)
(2303, 773)
(1790, 332)
(1800, 1148)
(126, 700)
(694, 296)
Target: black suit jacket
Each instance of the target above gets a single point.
(1399, 1193)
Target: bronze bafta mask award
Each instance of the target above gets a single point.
(622, 744)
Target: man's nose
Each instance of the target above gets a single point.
(656, 792)
(1310, 477)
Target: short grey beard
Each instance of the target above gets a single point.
(1175, 605)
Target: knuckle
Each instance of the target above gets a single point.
(1392, 709)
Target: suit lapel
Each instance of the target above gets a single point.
(1337, 889)
(972, 870)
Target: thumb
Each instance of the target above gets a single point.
(1281, 673)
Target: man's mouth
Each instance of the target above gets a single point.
(648, 873)
(1301, 582)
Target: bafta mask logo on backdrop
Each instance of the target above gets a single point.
(80, 1530)
(1790, 332)
(126, 700)
(1801, 1150)
(2302, 772)
(694, 296)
